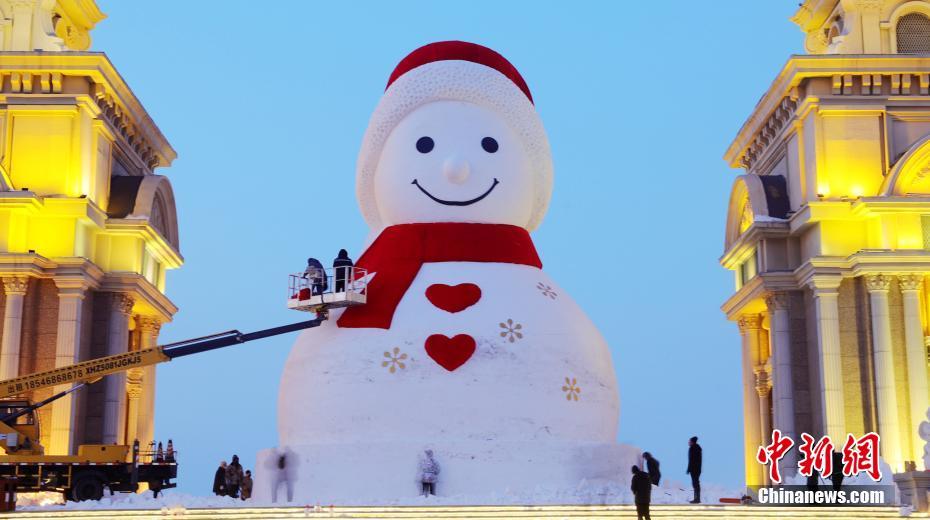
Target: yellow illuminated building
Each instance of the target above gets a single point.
(828, 234)
(87, 229)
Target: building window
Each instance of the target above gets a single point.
(913, 33)
(746, 271)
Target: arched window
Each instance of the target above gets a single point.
(158, 215)
(913, 33)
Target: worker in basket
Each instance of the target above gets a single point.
(316, 279)
(342, 269)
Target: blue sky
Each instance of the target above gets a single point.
(266, 104)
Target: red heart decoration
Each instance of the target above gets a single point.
(453, 298)
(450, 353)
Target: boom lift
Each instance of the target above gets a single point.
(120, 467)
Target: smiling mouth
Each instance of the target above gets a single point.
(456, 202)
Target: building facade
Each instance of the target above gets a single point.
(828, 234)
(87, 229)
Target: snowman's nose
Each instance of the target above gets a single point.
(456, 169)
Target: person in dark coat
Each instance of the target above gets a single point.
(316, 276)
(233, 477)
(219, 480)
(813, 481)
(694, 468)
(836, 478)
(342, 268)
(652, 467)
(642, 493)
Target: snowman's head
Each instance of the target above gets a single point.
(454, 161)
(455, 138)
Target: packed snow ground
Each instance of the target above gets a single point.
(670, 492)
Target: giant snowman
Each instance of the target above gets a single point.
(465, 346)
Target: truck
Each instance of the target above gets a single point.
(96, 467)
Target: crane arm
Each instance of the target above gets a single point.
(10, 417)
(97, 368)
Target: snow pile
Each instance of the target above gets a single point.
(167, 501)
(669, 492)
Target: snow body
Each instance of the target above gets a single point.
(534, 411)
(506, 419)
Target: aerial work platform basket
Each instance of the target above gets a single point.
(327, 289)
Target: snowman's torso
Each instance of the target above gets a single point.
(540, 370)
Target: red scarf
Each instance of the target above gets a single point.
(399, 252)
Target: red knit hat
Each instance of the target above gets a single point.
(463, 51)
(458, 71)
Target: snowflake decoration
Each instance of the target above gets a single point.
(394, 360)
(546, 290)
(571, 389)
(511, 331)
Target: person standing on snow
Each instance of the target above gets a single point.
(813, 481)
(246, 486)
(429, 473)
(315, 276)
(694, 468)
(652, 467)
(642, 493)
(219, 480)
(282, 475)
(342, 267)
(233, 477)
(836, 478)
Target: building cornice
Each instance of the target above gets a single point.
(41, 73)
(162, 249)
(825, 273)
(749, 298)
(748, 240)
(854, 209)
(86, 210)
(769, 115)
(82, 274)
(80, 208)
(148, 299)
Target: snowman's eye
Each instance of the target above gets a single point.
(489, 144)
(425, 144)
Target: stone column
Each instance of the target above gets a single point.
(133, 393)
(764, 389)
(916, 361)
(114, 402)
(782, 383)
(15, 288)
(22, 26)
(826, 292)
(885, 395)
(67, 352)
(749, 326)
(149, 328)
